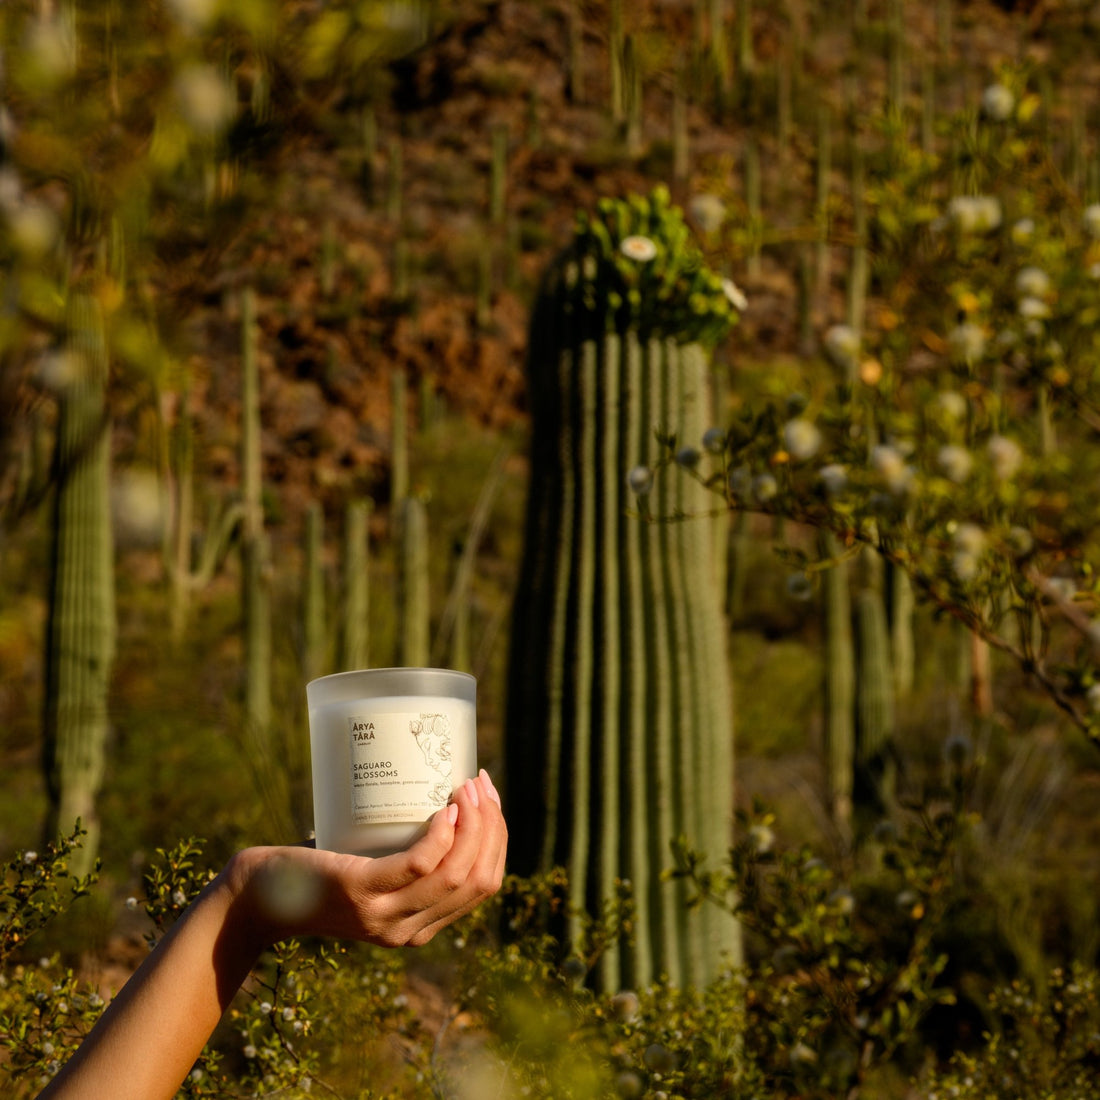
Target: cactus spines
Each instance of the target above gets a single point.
(80, 632)
(620, 715)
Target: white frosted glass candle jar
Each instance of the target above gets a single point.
(388, 747)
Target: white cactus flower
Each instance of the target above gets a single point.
(638, 248)
(998, 103)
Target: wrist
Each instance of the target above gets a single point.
(274, 894)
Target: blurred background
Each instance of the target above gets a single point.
(268, 270)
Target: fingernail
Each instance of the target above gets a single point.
(452, 814)
(471, 790)
(490, 789)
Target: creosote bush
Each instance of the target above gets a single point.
(844, 972)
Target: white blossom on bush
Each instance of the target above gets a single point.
(841, 345)
(764, 487)
(975, 213)
(998, 102)
(1005, 455)
(1032, 282)
(801, 438)
(967, 342)
(1091, 219)
(640, 480)
(834, 476)
(951, 404)
(889, 463)
(955, 463)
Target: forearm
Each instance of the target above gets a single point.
(155, 1028)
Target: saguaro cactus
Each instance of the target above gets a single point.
(81, 628)
(620, 716)
(354, 650)
(255, 551)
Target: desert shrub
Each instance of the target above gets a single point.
(844, 970)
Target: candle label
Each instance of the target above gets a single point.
(401, 766)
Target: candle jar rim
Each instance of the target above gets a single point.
(402, 680)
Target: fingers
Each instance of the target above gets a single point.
(470, 872)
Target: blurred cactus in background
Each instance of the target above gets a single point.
(81, 628)
(620, 716)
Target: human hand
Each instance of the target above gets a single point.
(392, 901)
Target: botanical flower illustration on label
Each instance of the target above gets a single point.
(401, 766)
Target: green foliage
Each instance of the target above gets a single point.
(845, 971)
(1045, 1044)
(635, 263)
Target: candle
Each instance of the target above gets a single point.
(388, 748)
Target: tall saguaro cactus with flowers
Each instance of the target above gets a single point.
(620, 723)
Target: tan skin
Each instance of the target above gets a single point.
(150, 1035)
